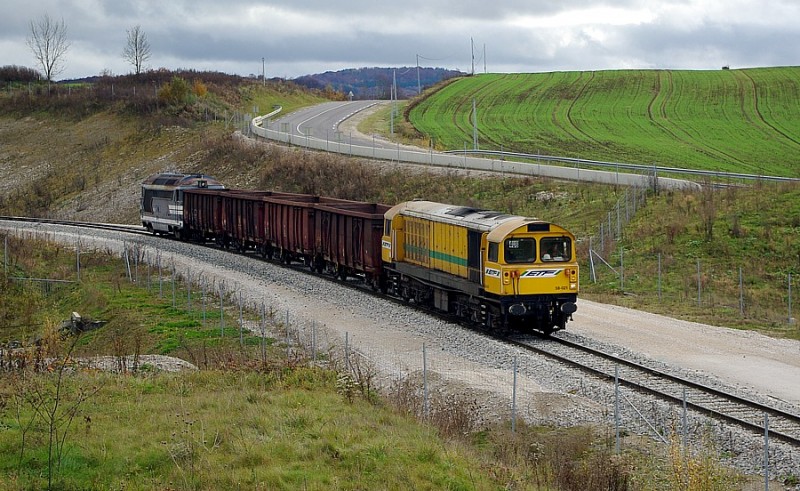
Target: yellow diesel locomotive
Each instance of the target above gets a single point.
(502, 271)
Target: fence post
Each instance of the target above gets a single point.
(741, 293)
(602, 237)
(347, 351)
(685, 429)
(790, 298)
(698, 284)
(424, 381)
(766, 451)
(263, 333)
(658, 281)
(314, 342)
(128, 263)
(514, 400)
(621, 270)
(616, 409)
(288, 344)
(241, 321)
(221, 311)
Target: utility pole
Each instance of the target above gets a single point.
(419, 86)
(393, 95)
(472, 51)
(263, 71)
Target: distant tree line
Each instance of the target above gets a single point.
(376, 83)
(14, 73)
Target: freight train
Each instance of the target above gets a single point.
(496, 270)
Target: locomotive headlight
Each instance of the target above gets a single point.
(573, 286)
(506, 278)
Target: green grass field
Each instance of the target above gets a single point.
(744, 121)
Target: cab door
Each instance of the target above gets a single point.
(475, 271)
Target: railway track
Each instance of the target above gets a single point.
(112, 227)
(706, 400)
(709, 401)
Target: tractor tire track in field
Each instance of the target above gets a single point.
(487, 102)
(577, 97)
(662, 113)
(468, 104)
(558, 123)
(758, 111)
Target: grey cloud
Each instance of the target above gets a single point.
(353, 33)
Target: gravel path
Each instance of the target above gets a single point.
(744, 359)
(393, 336)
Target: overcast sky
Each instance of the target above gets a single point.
(300, 37)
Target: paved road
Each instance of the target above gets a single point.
(322, 122)
(321, 127)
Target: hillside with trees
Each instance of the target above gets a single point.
(376, 83)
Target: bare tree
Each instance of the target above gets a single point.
(48, 41)
(137, 49)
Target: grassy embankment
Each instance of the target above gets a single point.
(84, 154)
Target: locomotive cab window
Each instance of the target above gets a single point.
(387, 227)
(556, 249)
(519, 250)
(494, 252)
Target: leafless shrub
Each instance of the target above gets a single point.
(44, 396)
(454, 414)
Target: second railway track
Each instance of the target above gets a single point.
(703, 398)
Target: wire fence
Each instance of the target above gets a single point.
(704, 287)
(468, 390)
